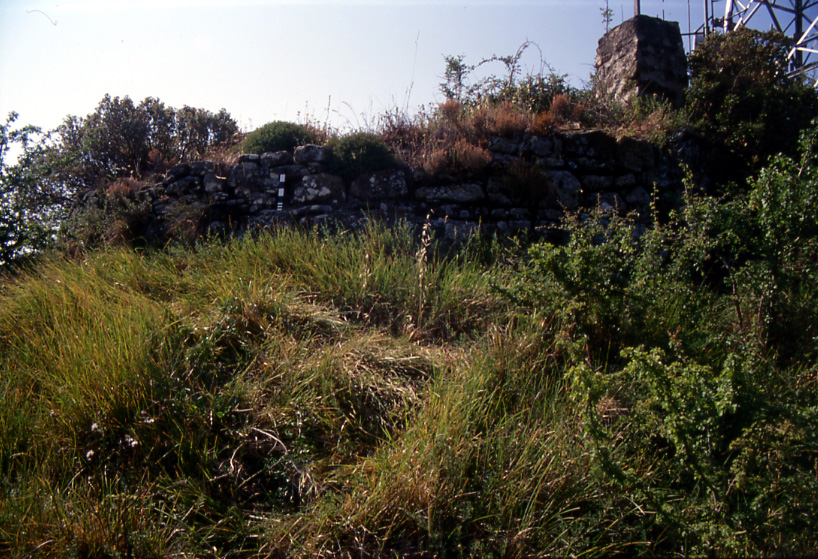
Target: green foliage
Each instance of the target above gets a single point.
(534, 92)
(740, 93)
(278, 136)
(634, 390)
(361, 152)
(689, 348)
(106, 219)
(776, 250)
(612, 287)
(456, 73)
(607, 15)
(25, 217)
(121, 139)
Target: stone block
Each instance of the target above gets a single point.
(501, 145)
(320, 188)
(549, 147)
(178, 171)
(567, 188)
(595, 183)
(590, 144)
(383, 185)
(638, 197)
(625, 181)
(498, 192)
(460, 193)
(276, 158)
(643, 56)
(244, 174)
(635, 155)
(213, 184)
(183, 186)
(312, 154)
(201, 168)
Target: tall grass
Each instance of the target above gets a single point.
(299, 394)
(152, 401)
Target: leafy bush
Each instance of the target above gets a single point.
(278, 136)
(122, 140)
(104, 219)
(688, 348)
(359, 153)
(26, 219)
(533, 93)
(774, 240)
(740, 94)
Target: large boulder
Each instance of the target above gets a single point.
(312, 154)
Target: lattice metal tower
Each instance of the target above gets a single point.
(798, 19)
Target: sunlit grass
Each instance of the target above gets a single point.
(299, 394)
(150, 398)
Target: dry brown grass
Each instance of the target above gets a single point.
(469, 157)
(503, 120)
(124, 187)
(452, 136)
(435, 161)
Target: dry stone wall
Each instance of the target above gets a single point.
(531, 181)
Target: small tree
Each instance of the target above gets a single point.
(456, 73)
(24, 216)
(607, 16)
(121, 139)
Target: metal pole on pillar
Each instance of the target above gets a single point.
(799, 32)
(637, 8)
(706, 19)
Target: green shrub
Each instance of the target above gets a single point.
(532, 92)
(741, 95)
(278, 136)
(105, 219)
(360, 153)
(690, 352)
(25, 216)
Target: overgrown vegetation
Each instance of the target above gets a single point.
(295, 394)
(279, 136)
(24, 215)
(108, 154)
(362, 152)
(742, 99)
(304, 396)
(123, 140)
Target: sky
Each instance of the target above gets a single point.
(338, 61)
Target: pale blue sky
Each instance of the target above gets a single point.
(264, 60)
